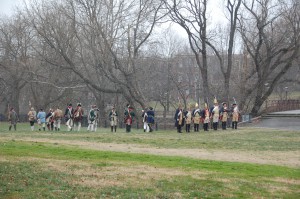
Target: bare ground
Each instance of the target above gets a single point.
(290, 158)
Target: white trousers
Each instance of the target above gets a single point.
(69, 124)
(77, 126)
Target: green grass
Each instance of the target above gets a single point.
(41, 150)
(40, 169)
(244, 139)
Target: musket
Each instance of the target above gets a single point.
(234, 100)
(8, 110)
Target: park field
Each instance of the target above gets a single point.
(244, 163)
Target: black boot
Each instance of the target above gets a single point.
(44, 128)
(111, 128)
(205, 126)
(9, 128)
(115, 128)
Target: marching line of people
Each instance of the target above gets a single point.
(206, 116)
(73, 118)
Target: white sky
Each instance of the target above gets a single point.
(215, 8)
(7, 6)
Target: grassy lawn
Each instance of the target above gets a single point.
(48, 165)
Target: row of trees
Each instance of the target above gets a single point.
(53, 52)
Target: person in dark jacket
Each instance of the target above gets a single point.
(150, 118)
(179, 118)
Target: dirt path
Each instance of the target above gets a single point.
(291, 159)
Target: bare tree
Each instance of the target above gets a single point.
(99, 41)
(226, 57)
(192, 17)
(271, 35)
(15, 48)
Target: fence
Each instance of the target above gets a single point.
(281, 105)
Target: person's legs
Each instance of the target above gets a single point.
(58, 124)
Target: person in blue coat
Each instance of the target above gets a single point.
(41, 118)
(150, 118)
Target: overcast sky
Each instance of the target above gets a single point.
(7, 6)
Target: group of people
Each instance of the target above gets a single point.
(73, 118)
(53, 118)
(206, 116)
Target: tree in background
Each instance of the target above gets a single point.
(271, 35)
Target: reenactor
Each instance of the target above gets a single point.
(196, 117)
(150, 119)
(179, 118)
(206, 117)
(235, 115)
(188, 119)
(224, 115)
(128, 117)
(215, 113)
(57, 115)
(113, 117)
(78, 113)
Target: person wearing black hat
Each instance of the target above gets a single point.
(150, 118)
(92, 119)
(113, 117)
(78, 113)
(179, 118)
(224, 115)
(69, 115)
(128, 117)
